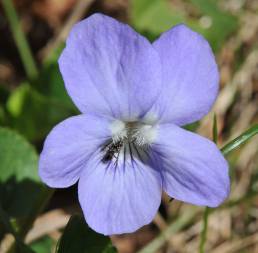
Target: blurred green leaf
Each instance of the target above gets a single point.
(35, 110)
(154, 17)
(151, 18)
(240, 140)
(20, 186)
(36, 107)
(6, 227)
(78, 237)
(222, 24)
(43, 245)
(33, 114)
(4, 93)
(50, 84)
(2, 115)
(20, 247)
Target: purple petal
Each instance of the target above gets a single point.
(108, 68)
(68, 147)
(120, 199)
(190, 76)
(193, 168)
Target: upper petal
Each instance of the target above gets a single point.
(193, 168)
(119, 199)
(190, 76)
(107, 68)
(68, 147)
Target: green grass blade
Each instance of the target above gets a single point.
(20, 39)
(215, 129)
(240, 140)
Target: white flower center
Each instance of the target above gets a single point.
(140, 133)
(130, 139)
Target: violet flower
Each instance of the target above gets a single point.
(128, 145)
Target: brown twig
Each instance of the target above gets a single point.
(77, 13)
(236, 245)
(47, 223)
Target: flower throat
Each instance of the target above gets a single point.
(129, 140)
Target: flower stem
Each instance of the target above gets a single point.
(20, 39)
(204, 229)
(207, 209)
(225, 150)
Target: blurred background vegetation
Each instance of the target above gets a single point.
(33, 100)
